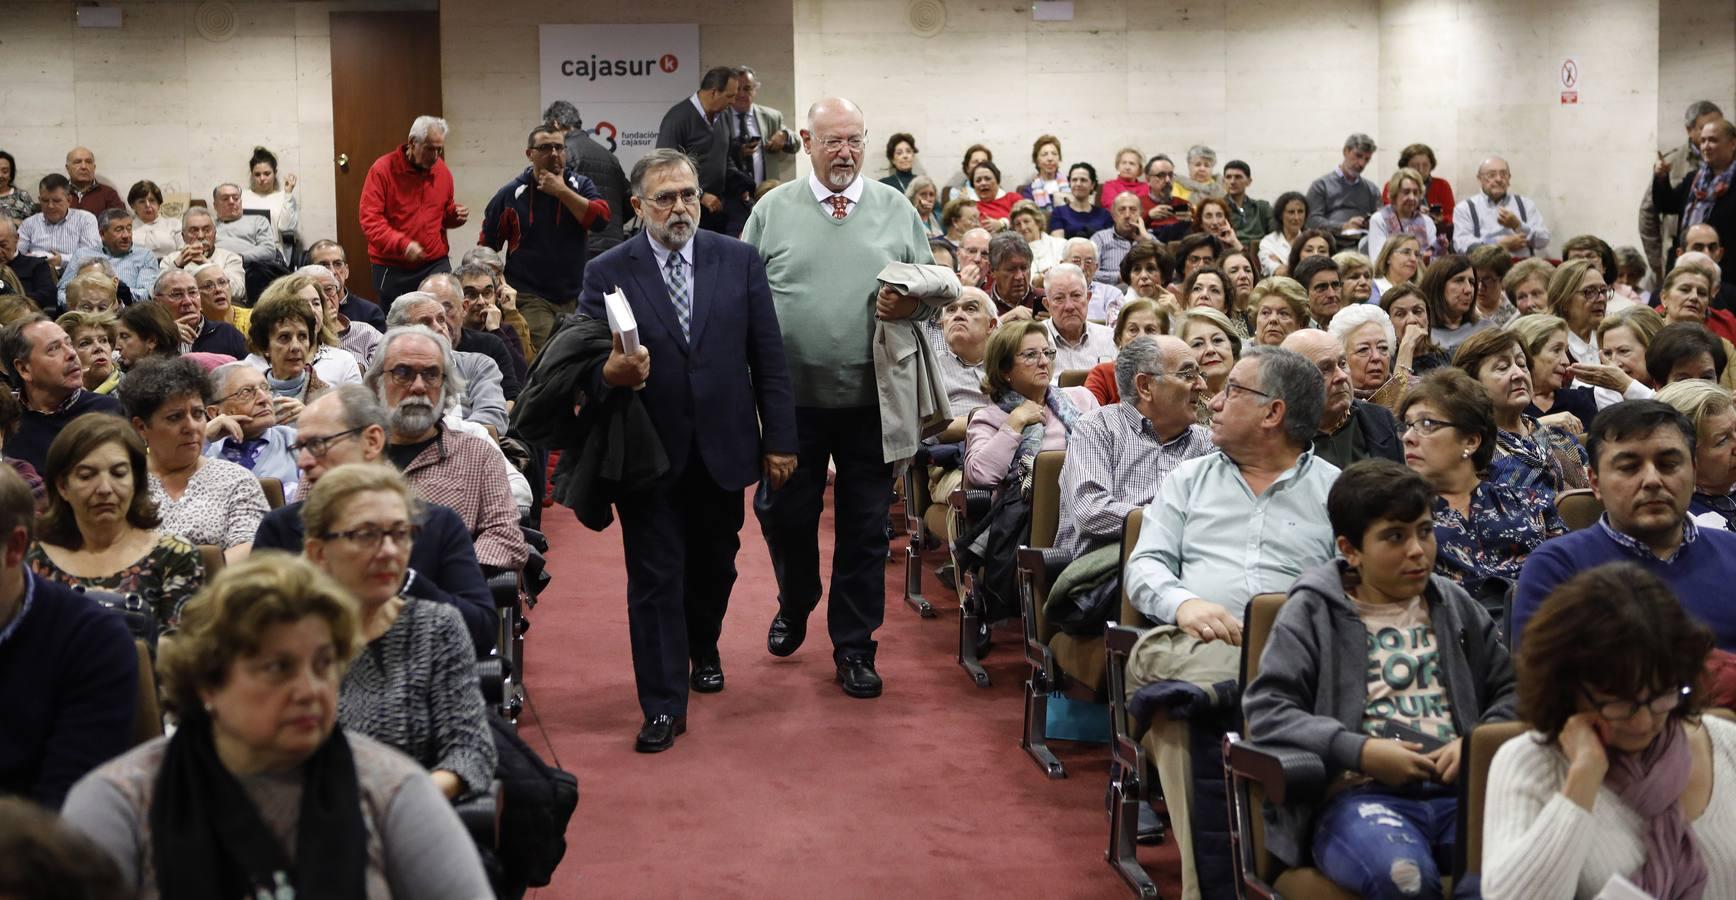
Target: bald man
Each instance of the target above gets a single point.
(824, 239)
(87, 193)
(1499, 216)
(1350, 429)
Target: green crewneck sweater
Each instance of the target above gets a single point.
(822, 272)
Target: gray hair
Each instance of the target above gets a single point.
(166, 274)
(472, 270)
(1068, 269)
(399, 314)
(658, 160)
(487, 257)
(219, 378)
(1079, 242)
(314, 270)
(1697, 109)
(1140, 355)
(451, 387)
(917, 185)
(563, 115)
(193, 211)
(1288, 376)
(1355, 315)
(424, 126)
(226, 184)
(1201, 151)
(112, 215)
(361, 407)
(207, 264)
(1007, 243)
(1359, 142)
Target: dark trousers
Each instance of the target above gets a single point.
(680, 538)
(390, 281)
(790, 519)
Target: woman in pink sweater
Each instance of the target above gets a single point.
(1028, 416)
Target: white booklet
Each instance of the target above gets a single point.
(621, 320)
(1619, 888)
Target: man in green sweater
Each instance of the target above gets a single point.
(824, 240)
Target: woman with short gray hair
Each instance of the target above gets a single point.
(1199, 183)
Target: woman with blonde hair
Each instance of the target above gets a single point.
(1216, 347)
(93, 339)
(1554, 399)
(1357, 274)
(1138, 317)
(1713, 413)
(1579, 295)
(1279, 306)
(1399, 261)
(1527, 285)
(1406, 213)
(93, 291)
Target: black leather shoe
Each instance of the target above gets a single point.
(707, 676)
(858, 677)
(786, 635)
(658, 733)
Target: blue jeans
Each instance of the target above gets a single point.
(1381, 844)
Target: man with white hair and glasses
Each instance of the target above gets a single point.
(407, 204)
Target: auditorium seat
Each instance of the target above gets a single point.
(1579, 507)
(1479, 753)
(1073, 378)
(212, 556)
(1128, 770)
(147, 710)
(273, 488)
(1039, 563)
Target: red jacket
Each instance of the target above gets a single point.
(401, 203)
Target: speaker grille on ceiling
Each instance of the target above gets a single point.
(215, 20)
(926, 17)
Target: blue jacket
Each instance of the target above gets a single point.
(546, 244)
(443, 558)
(70, 677)
(730, 377)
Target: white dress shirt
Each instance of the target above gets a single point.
(823, 194)
(40, 237)
(1096, 345)
(1476, 221)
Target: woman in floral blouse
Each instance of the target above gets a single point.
(1527, 454)
(100, 529)
(1483, 530)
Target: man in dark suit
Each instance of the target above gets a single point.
(1706, 194)
(695, 127)
(704, 311)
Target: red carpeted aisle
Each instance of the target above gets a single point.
(784, 787)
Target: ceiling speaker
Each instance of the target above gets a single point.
(926, 17)
(215, 20)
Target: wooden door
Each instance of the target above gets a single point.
(383, 77)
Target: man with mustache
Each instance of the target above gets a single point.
(710, 372)
(1350, 429)
(414, 377)
(824, 240)
(44, 365)
(1642, 468)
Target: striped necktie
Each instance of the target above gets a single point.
(675, 276)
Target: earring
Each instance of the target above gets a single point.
(1466, 454)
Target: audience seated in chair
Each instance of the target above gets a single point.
(44, 365)
(252, 677)
(137, 266)
(449, 293)
(1556, 402)
(1622, 774)
(100, 529)
(250, 237)
(1643, 454)
(1709, 408)
(214, 299)
(1027, 416)
(60, 230)
(93, 339)
(1079, 343)
(357, 337)
(480, 398)
(241, 425)
(178, 292)
(329, 360)
(67, 668)
(1118, 455)
(1137, 318)
(330, 254)
(1350, 429)
(204, 500)
(349, 426)
(1684, 350)
(1365, 644)
(1484, 530)
(1009, 275)
(1527, 454)
(199, 246)
(415, 685)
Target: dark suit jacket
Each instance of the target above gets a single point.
(686, 130)
(220, 337)
(729, 379)
(37, 278)
(1379, 429)
(1673, 201)
(594, 161)
(443, 558)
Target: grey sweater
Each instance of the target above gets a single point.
(415, 689)
(1312, 688)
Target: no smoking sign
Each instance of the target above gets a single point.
(1569, 82)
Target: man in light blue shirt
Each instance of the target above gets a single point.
(1247, 519)
(137, 267)
(242, 426)
(58, 231)
(1498, 216)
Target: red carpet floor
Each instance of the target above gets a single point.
(784, 787)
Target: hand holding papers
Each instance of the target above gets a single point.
(629, 363)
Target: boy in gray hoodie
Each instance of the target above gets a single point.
(1380, 668)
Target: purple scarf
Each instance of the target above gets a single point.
(1704, 194)
(1651, 783)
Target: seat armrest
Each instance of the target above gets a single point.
(536, 539)
(972, 504)
(480, 813)
(1286, 774)
(491, 677)
(503, 587)
(1042, 564)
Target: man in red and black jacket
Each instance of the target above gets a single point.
(406, 207)
(544, 219)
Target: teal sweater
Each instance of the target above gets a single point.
(822, 272)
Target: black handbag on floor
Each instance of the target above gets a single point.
(538, 802)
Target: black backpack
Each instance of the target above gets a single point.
(539, 800)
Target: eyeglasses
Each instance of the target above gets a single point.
(833, 145)
(181, 295)
(250, 392)
(1622, 710)
(471, 293)
(368, 537)
(668, 199)
(1032, 357)
(550, 148)
(1596, 292)
(1321, 287)
(407, 375)
(1230, 386)
(317, 446)
(1425, 426)
(1189, 374)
